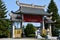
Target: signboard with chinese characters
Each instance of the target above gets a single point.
(32, 18)
(18, 33)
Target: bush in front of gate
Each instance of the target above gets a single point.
(30, 30)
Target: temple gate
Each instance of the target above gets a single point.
(28, 13)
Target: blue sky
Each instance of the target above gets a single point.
(11, 5)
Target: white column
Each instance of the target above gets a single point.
(43, 23)
(50, 29)
(13, 31)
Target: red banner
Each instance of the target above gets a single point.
(32, 18)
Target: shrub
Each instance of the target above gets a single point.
(30, 29)
(31, 35)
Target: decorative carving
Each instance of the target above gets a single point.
(17, 2)
(29, 5)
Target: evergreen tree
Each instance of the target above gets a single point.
(4, 24)
(2, 9)
(53, 8)
(57, 23)
(30, 30)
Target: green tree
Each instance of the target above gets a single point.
(30, 30)
(57, 23)
(4, 24)
(55, 16)
(53, 8)
(3, 9)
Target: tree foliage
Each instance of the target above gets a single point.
(55, 16)
(4, 24)
(3, 9)
(57, 24)
(29, 29)
(53, 8)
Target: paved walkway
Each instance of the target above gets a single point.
(18, 39)
(28, 39)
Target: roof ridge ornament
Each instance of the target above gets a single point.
(32, 5)
(29, 5)
(17, 2)
(51, 13)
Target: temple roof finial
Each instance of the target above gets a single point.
(29, 5)
(17, 2)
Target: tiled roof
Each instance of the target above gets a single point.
(29, 10)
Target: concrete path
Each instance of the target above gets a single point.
(28, 39)
(18, 39)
